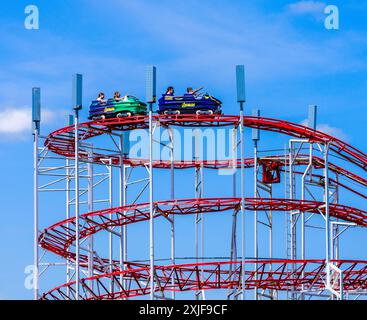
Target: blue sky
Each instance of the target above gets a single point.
(291, 61)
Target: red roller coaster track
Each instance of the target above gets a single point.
(134, 280)
(62, 141)
(268, 274)
(60, 237)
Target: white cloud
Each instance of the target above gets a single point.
(15, 122)
(333, 131)
(314, 8)
(330, 130)
(216, 43)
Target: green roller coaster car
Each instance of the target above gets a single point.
(128, 106)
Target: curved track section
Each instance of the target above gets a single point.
(317, 163)
(269, 274)
(62, 141)
(60, 237)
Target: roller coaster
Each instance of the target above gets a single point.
(298, 182)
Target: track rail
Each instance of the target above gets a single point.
(317, 162)
(60, 237)
(62, 141)
(268, 274)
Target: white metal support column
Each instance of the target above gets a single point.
(90, 209)
(294, 215)
(125, 151)
(243, 218)
(77, 242)
(241, 99)
(308, 171)
(36, 119)
(68, 178)
(199, 193)
(121, 203)
(67, 205)
(327, 214)
(124, 203)
(151, 98)
(292, 193)
(256, 138)
(335, 228)
(110, 202)
(77, 105)
(151, 209)
(172, 218)
(233, 250)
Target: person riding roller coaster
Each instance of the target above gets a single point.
(170, 91)
(118, 106)
(192, 92)
(117, 96)
(101, 98)
(192, 102)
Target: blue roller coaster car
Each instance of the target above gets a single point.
(189, 104)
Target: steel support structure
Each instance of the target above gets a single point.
(55, 175)
(233, 292)
(262, 220)
(199, 193)
(330, 194)
(334, 275)
(70, 162)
